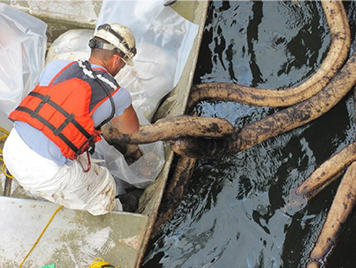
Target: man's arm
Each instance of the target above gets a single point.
(127, 123)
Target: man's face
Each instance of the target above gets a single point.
(118, 64)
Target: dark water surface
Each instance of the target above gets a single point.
(234, 211)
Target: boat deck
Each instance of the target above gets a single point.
(75, 238)
(72, 238)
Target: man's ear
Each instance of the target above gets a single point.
(117, 58)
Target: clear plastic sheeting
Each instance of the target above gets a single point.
(150, 79)
(22, 49)
(140, 173)
(163, 40)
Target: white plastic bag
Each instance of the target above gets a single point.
(23, 44)
(163, 40)
(140, 173)
(150, 79)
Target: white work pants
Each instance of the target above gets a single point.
(66, 185)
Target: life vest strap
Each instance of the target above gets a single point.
(45, 99)
(69, 118)
(50, 126)
(62, 111)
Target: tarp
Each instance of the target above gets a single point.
(23, 43)
(163, 39)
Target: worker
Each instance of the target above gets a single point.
(58, 124)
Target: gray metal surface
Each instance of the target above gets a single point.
(73, 238)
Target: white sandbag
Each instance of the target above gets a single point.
(23, 44)
(71, 45)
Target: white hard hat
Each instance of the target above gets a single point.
(120, 37)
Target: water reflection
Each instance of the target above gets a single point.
(237, 211)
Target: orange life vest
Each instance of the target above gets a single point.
(62, 112)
